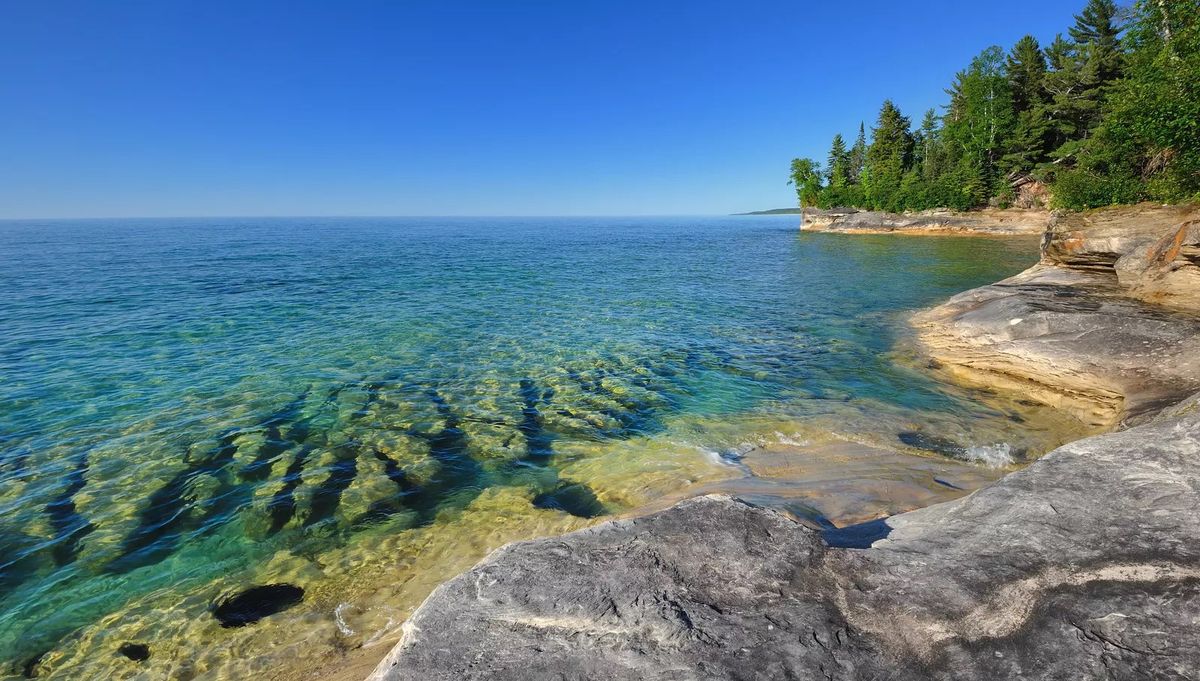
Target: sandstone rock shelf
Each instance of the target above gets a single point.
(996, 222)
(1083, 565)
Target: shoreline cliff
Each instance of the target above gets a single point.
(1085, 564)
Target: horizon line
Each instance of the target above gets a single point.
(364, 216)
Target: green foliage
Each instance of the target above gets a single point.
(858, 154)
(1109, 115)
(839, 163)
(806, 178)
(888, 157)
(1151, 132)
(980, 120)
(1032, 137)
(1078, 189)
(1096, 32)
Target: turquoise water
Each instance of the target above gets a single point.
(189, 407)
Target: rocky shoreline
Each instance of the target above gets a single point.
(990, 221)
(1085, 564)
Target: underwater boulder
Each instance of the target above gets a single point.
(255, 603)
(571, 497)
(138, 652)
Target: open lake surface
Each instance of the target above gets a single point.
(364, 407)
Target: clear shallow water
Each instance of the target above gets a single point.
(363, 407)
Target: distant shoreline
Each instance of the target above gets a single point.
(775, 211)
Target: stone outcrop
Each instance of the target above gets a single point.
(1077, 330)
(1084, 565)
(1000, 222)
(1153, 251)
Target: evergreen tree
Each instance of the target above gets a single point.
(1096, 33)
(1109, 116)
(1032, 137)
(979, 122)
(1026, 69)
(839, 163)
(1071, 102)
(888, 157)
(858, 155)
(927, 157)
(1148, 144)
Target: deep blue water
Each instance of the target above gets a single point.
(294, 386)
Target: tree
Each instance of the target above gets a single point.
(839, 163)
(1148, 143)
(858, 155)
(927, 155)
(888, 157)
(1096, 32)
(1032, 137)
(979, 122)
(806, 178)
(1110, 115)
(1026, 69)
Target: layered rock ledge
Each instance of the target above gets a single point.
(1106, 326)
(998, 222)
(1083, 565)
(1086, 564)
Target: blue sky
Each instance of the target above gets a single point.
(556, 107)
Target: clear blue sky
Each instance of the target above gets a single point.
(356, 107)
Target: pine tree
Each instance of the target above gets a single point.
(839, 163)
(1073, 101)
(858, 155)
(1146, 146)
(1032, 138)
(888, 157)
(1096, 33)
(927, 156)
(1026, 69)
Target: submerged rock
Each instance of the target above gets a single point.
(1086, 564)
(255, 603)
(571, 497)
(138, 652)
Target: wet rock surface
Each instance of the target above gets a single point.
(1086, 564)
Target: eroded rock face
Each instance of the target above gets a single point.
(1069, 338)
(1153, 251)
(1084, 565)
(1107, 326)
(988, 221)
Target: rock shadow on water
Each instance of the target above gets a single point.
(571, 497)
(253, 604)
(166, 515)
(283, 504)
(328, 495)
(276, 442)
(68, 524)
(458, 476)
(538, 441)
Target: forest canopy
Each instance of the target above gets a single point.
(1107, 114)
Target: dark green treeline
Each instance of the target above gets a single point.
(1107, 114)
